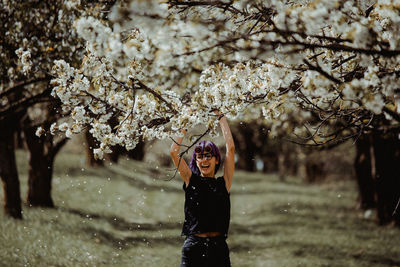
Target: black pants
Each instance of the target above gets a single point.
(205, 252)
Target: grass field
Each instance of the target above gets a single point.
(128, 215)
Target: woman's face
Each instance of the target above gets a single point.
(206, 163)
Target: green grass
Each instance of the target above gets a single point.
(128, 215)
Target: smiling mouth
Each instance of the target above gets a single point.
(204, 166)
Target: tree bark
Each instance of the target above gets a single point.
(268, 150)
(282, 160)
(246, 148)
(314, 171)
(270, 160)
(19, 140)
(8, 172)
(364, 172)
(40, 169)
(91, 143)
(138, 152)
(387, 164)
(117, 151)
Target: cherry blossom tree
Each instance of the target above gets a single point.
(325, 71)
(33, 35)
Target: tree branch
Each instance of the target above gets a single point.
(59, 145)
(321, 71)
(154, 93)
(25, 102)
(21, 84)
(395, 115)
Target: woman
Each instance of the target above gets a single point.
(207, 203)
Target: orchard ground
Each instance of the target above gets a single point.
(129, 215)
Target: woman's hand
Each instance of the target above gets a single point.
(218, 113)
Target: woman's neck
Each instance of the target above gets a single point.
(207, 176)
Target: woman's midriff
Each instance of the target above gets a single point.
(208, 234)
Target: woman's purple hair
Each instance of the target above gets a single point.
(214, 151)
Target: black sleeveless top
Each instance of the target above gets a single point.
(207, 206)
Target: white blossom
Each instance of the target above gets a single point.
(141, 66)
(39, 131)
(25, 57)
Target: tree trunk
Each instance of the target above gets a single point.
(387, 164)
(270, 162)
(19, 140)
(363, 170)
(91, 143)
(40, 177)
(138, 152)
(246, 148)
(117, 151)
(292, 158)
(8, 172)
(282, 160)
(314, 171)
(40, 169)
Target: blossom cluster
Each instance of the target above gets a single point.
(157, 68)
(34, 34)
(25, 57)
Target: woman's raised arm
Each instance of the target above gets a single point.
(179, 162)
(229, 165)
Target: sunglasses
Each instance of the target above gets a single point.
(207, 149)
(206, 156)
